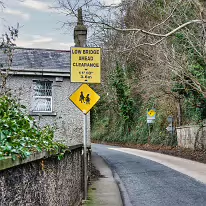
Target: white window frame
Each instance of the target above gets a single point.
(34, 97)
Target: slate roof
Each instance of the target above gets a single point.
(28, 59)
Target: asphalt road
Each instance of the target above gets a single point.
(147, 183)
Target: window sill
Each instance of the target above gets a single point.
(43, 113)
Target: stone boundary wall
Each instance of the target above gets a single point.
(193, 136)
(43, 180)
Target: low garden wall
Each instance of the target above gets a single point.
(193, 137)
(43, 180)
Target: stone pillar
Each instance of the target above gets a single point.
(80, 31)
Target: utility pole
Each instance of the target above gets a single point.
(80, 40)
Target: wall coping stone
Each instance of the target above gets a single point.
(8, 162)
(189, 126)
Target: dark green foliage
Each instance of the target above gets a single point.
(19, 134)
(109, 127)
(184, 95)
(194, 108)
(123, 118)
(124, 100)
(194, 105)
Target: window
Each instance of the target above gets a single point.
(42, 98)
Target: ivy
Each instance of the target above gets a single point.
(19, 134)
(124, 100)
(194, 103)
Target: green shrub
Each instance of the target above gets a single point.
(19, 134)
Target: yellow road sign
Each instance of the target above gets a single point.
(151, 113)
(84, 98)
(85, 64)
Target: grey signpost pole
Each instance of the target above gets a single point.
(85, 157)
(80, 38)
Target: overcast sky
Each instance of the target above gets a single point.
(40, 26)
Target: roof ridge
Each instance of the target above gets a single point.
(57, 50)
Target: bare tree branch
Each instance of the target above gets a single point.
(197, 21)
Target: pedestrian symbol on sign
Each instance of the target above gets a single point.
(84, 98)
(152, 113)
(81, 98)
(87, 99)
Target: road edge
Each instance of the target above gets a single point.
(123, 192)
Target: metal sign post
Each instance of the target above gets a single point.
(85, 156)
(170, 128)
(85, 68)
(149, 129)
(85, 98)
(151, 116)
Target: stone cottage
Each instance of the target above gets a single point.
(40, 78)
